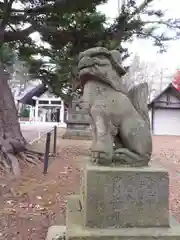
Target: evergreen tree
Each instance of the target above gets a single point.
(68, 27)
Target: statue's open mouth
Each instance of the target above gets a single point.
(83, 66)
(86, 71)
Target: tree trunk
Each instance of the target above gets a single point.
(11, 139)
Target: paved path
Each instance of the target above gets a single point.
(34, 132)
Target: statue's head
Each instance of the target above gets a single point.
(99, 64)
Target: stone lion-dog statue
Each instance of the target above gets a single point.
(119, 117)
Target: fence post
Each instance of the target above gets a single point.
(46, 155)
(55, 140)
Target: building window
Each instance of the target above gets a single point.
(56, 102)
(43, 102)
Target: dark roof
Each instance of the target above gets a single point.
(37, 91)
(171, 88)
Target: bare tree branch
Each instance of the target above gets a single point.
(10, 36)
(158, 40)
(141, 7)
(167, 23)
(141, 71)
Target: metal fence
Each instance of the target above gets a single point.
(47, 147)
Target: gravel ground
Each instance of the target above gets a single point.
(31, 204)
(28, 206)
(166, 152)
(33, 132)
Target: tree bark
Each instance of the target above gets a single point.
(12, 141)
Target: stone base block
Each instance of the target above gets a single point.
(78, 117)
(56, 232)
(77, 134)
(122, 197)
(76, 231)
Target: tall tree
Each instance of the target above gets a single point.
(11, 138)
(134, 21)
(54, 21)
(59, 67)
(68, 27)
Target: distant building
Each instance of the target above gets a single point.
(44, 106)
(165, 112)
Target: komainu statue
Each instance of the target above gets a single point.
(119, 116)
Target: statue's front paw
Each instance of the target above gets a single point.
(101, 158)
(124, 156)
(119, 158)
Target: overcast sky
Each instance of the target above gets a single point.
(144, 48)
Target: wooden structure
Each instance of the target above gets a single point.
(44, 106)
(165, 112)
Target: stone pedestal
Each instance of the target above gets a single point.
(78, 124)
(121, 203)
(124, 197)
